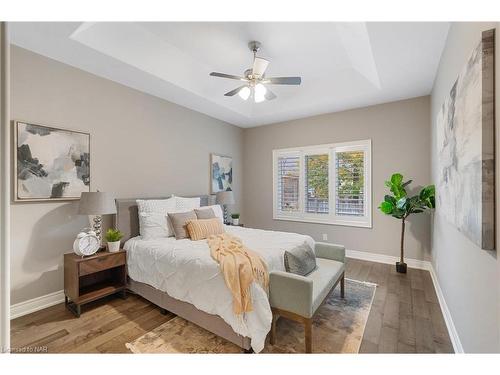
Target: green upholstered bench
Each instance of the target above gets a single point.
(298, 297)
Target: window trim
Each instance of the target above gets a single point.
(331, 218)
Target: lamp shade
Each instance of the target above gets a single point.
(97, 203)
(224, 197)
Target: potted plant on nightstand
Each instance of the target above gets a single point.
(236, 219)
(400, 206)
(113, 237)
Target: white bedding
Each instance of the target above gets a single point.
(186, 271)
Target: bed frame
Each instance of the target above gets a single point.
(127, 221)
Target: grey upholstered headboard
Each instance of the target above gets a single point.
(127, 219)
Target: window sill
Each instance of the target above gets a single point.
(345, 223)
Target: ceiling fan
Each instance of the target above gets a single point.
(255, 79)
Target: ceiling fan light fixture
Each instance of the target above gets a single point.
(259, 93)
(259, 66)
(254, 79)
(244, 93)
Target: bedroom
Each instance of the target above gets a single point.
(249, 187)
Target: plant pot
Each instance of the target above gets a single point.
(114, 247)
(401, 267)
(236, 221)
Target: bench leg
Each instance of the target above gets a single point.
(308, 334)
(272, 337)
(342, 286)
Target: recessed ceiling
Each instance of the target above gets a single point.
(342, 65)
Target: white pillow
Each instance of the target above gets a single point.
(152, 226)
(216, 208)
(155, 205)
(152, 220)
(186, 204)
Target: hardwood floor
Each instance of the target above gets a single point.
(405, 318)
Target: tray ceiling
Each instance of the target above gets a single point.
(342, 65)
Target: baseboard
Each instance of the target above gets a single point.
(423, 265)
(452, 331)
(388, 259)
(35, 304)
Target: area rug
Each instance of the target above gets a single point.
(338, 327)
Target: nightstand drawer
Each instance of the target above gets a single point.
(101, 263)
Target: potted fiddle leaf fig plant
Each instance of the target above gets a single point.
(399, 205)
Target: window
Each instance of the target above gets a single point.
(350, 183)
(316, 175)
(327, 184)
(288, 183)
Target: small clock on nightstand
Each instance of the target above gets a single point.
(86, 243)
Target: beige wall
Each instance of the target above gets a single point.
(400, 143)
(469, 277)
(141, 146)
(145, 146)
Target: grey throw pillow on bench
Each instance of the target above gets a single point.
(301, 260)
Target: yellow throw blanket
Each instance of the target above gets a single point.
(240, 267)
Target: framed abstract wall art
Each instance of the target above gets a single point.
(221, 173)
(50, 163)
(465, 141)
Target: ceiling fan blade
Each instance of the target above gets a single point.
(235, 91)
(259, 66)
(283, 81)
(269, 94)
(230, 76)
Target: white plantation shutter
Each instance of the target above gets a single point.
(327, 184)
(288, 194)
(349, 189)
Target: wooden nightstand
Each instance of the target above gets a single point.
(87, 279)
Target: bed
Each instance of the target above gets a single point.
(181, 277)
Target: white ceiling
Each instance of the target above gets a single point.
(342, 65)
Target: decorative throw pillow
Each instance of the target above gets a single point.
(152, 220)
(206, 213)
(217, 210)
(201, 229)
(186, 204)
(300, 260)
(179, 221)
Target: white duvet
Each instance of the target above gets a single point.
(186, 271)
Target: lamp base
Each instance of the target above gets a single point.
(96, 223)
(226, 214)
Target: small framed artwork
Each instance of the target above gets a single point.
(221, 173)
(50, 163)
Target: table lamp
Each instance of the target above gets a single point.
(96, 204)
(225, 198)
